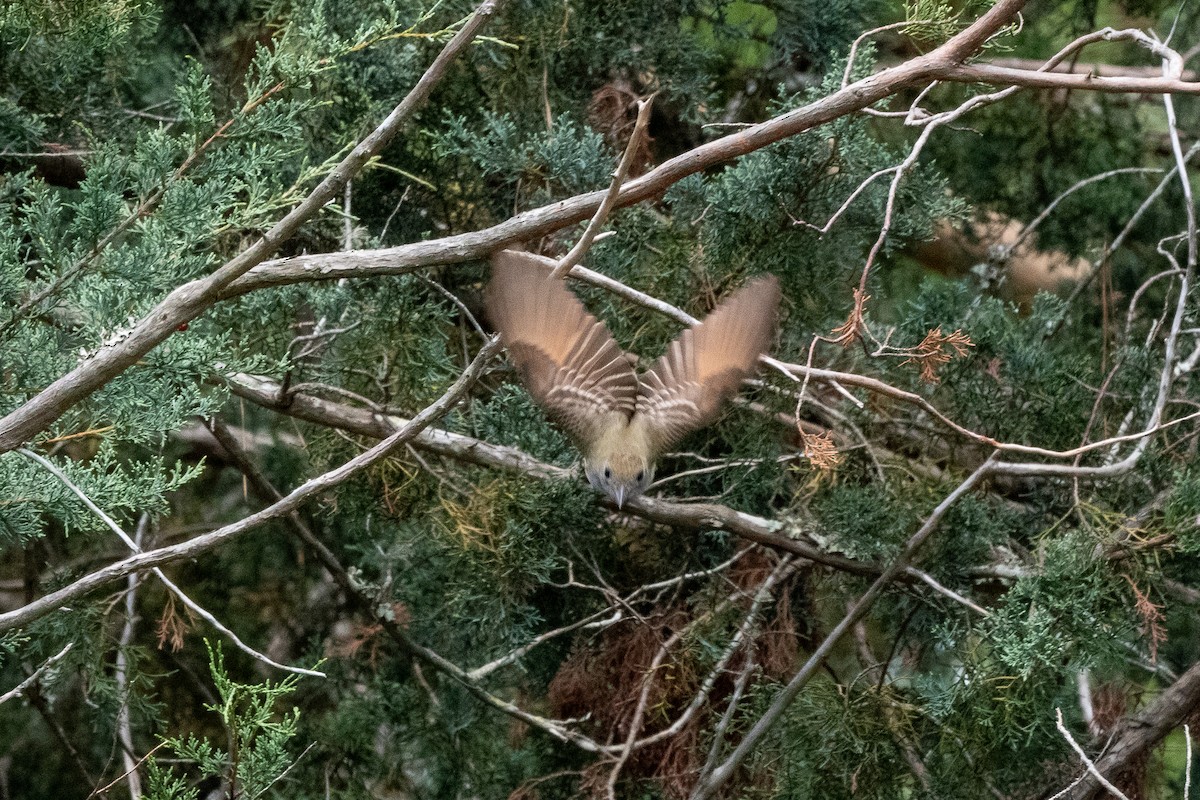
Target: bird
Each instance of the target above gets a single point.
(587, 385)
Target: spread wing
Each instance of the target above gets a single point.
(567, 359)
(707, 363)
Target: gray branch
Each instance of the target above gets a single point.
(191, 299)
(202, 544)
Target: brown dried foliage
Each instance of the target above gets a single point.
(365, 635)
(593, 781)
(937, 349)
(605, 679)
(172, 626)
(751, 570)
(1153, 621)
(1110, 701)
(820, 450)
(360, 636)
(777, 643)
(851, 330)
(681, 761)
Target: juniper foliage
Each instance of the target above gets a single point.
(145, 142)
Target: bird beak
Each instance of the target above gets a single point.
(620, 498)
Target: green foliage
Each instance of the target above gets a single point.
(123, 488)
(865, 522)
(254, 755)
(196, 127)
(58, 72)
(931, 21)
(756, 208)
(568, 159)
(821, 35)
(1017, 384)
(828, 726)
(509, 417)
(1076, 611)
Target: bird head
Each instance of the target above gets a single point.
(621, 475)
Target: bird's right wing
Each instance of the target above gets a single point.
(707, 363)
(567, 359)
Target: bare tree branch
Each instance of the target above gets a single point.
(1092, 68)
(1007, 76)
(33, 678)
(191, 299)
(201, 544)
(124, 727)
(577, 252)
(771, 717)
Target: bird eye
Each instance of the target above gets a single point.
(607, 472)
(641, 474)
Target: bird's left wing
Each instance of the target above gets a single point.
(568, 360)
(707, 363)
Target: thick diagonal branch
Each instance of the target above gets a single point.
(547, 219)
(1140, 732)
(202, 544)
(190, 300)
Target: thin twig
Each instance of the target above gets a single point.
(195, 607)
(1187, 765)
(590, 620)
(1087, 762)
(1028, 230)
(581, 247)
(739, 687)
(283, 774)
(347, 218)
(124, 727)
(102, 789)
(24, 685)
(933, 583)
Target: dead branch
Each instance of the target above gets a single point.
(1140, 732)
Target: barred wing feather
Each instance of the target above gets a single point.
(707, 363)
(568, 360)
